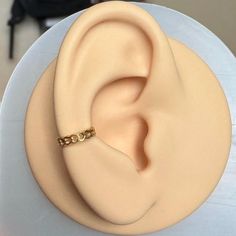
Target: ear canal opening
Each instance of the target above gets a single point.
(116, 119)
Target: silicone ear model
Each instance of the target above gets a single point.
(163, 129)
(115, 71)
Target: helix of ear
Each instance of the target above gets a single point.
(114, 67)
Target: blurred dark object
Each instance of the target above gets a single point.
(40, 10)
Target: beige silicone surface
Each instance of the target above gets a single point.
(162, 122)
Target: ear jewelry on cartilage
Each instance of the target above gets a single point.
(75, 138)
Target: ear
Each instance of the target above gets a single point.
(115, 71)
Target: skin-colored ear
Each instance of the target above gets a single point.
(115, 71)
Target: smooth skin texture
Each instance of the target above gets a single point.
(162, 122)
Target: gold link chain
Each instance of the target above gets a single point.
(75, 138)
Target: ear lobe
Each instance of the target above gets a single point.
(116, 56)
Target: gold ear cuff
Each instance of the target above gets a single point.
(75, 138)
